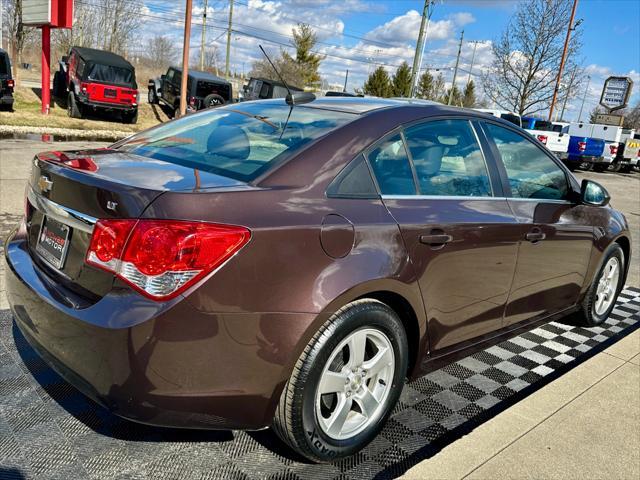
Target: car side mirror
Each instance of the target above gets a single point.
(592, 193)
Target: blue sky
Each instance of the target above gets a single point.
(361, 34)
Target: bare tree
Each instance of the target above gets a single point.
(527, 56)
(161, 52)
(212, 59)
(18, 35)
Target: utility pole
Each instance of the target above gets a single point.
(427, 11)
(473, 58)
(584, 97)
(346, 77)
(566, 96)
(563, 59)
(204, 34)
(185, 58)
(226, 63)
(455, 71)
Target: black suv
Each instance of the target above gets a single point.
(204, 90)
(6, 81)
(262, 88)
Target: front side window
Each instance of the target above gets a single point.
(390, 165)
(447, 159)
(531, 173)
(241, 141)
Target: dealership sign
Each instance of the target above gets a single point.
(616, 93)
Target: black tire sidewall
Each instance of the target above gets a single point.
(382, 318)
(211, 96)
(593, 319)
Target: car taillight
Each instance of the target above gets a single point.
(582, 146)
(613, 149)
(162, 258)
(192, 101)
(83, 87)
(10, 83)
(543, 139)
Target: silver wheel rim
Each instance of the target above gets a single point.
(607, 286)
(355, 384)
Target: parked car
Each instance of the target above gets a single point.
(263, 88)
(554, 135)
(268, 263)
(6, 81)
(584, 152)
(93, 80)
(504, 114)
(204, 90)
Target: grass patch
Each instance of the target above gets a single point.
(27, 113)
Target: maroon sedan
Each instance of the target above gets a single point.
(271, 264)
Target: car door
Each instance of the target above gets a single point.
(460, 235)
(167, 87)
(556, 236)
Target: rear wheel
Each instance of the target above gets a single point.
(345, 383)
(73, 108)
(603, 293)
(586, 166)
(213, 100)
(130, 117)
(152, 97)
(615, 167)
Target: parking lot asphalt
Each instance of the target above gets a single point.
(583, 424)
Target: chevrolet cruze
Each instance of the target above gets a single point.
(289, 263)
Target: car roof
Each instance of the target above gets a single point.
(200, 75)
(102, 57)
(364, 105)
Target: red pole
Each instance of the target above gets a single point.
(46, 72)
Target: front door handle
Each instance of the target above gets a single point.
(436, 239)
(535, 236)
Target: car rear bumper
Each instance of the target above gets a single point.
(6, 99)
(167, 365)
(108, 106)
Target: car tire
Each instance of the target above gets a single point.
(152, 97)
(73, 109)
(603, 292)
(306, 418)
(130, 117)
(213, 100)
(586, 166)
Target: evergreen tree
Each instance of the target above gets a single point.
(456, 99)
(401, 83)
(378, 83)
(304, 40)
(425, 86)
(439, 92)
(469, 95)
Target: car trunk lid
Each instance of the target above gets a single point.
(69, 191)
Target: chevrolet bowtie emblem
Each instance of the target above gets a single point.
(45, 184)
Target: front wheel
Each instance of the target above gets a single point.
(586, 166)
(603, 293)
(152, 97)
(345, 383)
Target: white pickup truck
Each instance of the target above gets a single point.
(628, 153)
(554, 135)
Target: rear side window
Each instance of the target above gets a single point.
(447, 159)
(531, 173)
(241, 141)
(390, 164)
(510, 117)
(353, 182)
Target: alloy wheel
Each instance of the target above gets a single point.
(607, 286)
(355, 384)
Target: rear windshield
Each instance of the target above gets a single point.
(204, 88)
(4, 64)
(109, 74)
(239, 141)
(544, 126)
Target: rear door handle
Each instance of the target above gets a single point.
(535, 236)
(436, 240)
